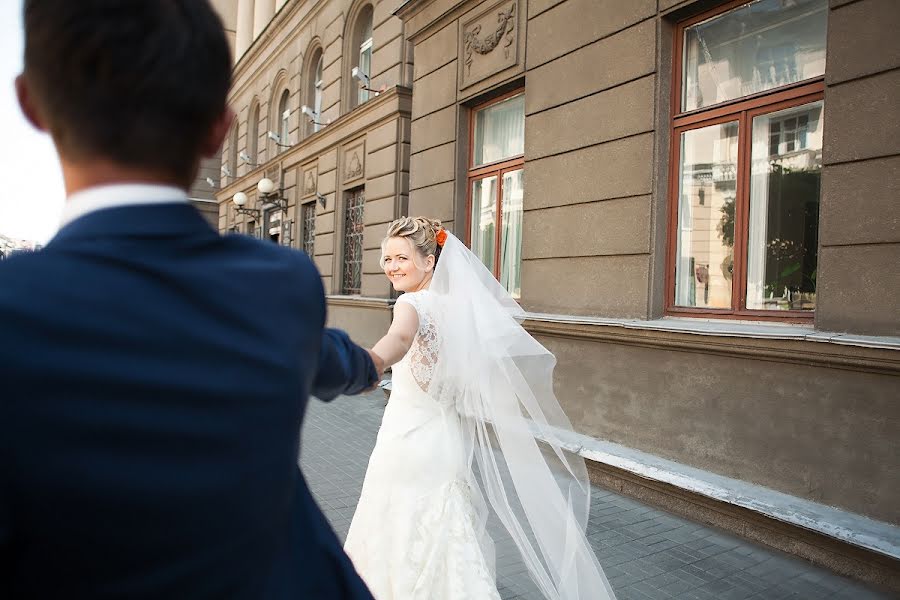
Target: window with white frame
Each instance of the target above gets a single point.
(314, 89)
(284, 116)
(363, 56)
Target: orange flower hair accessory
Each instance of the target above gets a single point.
(441, 237)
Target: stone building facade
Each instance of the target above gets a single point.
(695, 200)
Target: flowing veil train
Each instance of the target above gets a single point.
(501, 382)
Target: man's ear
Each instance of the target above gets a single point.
(27, 104)
(217, 133)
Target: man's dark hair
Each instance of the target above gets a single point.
(137, 82)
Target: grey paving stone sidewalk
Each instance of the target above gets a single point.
(646, 553)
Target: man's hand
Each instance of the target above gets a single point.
(379, 366)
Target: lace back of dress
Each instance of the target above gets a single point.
(423, 353)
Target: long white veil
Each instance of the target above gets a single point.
(501, 381)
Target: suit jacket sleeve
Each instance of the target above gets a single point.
(344, 367)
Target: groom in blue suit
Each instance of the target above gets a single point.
(154, 374)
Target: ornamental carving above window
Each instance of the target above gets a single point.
(309, 183)
(506, 25)
(354, 166)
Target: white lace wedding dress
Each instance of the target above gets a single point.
(416, 534)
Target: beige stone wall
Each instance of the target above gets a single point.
(209, 167)
(787, 415)
(227, 10)
(815, 420)
(859, 230)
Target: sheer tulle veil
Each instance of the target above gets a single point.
(501, 381)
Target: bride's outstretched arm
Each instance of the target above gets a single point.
(395, 344)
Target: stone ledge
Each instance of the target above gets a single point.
(847, 543)
(761, 341)
(839, 556)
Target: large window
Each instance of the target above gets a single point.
(496, 187)
(747, 160)
(362, 56)
(351, 280)
(231, 164)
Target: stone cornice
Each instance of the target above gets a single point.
(392, 103)
(828, 352)
(424, 16)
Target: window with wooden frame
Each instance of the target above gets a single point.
(496, 186)
(746, 161)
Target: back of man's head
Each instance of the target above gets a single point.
(136, 82)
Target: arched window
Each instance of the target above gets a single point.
(232, 162)
(284, 116)
(314, 87)
(362, 57)
(253, 134)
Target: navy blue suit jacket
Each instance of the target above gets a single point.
(153, 380)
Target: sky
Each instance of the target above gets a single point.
(31, 187)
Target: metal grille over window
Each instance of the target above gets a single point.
(353, 241)
(309, 228)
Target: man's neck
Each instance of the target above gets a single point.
(81, 176)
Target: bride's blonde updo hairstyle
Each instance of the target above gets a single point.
(421, 232)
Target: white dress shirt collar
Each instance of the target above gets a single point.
(119, 194)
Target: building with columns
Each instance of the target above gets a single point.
(695, 201)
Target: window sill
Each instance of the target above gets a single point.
(728, 328)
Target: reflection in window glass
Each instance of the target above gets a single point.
(706, 207)
(484, 219)
(785, 182)
(500, 131)
(513, 189)
(757, 47)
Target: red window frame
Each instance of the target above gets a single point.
(498, 169)
(742, 110)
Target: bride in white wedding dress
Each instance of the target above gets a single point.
(472, 428)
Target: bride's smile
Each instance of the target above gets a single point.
(405, 266)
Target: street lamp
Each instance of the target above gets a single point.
(240, 200)
(269, 195)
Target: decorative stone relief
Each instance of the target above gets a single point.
(489, 42)
(309, 180)
(354, 162)
(274, 173)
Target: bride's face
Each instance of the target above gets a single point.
(405, 266)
